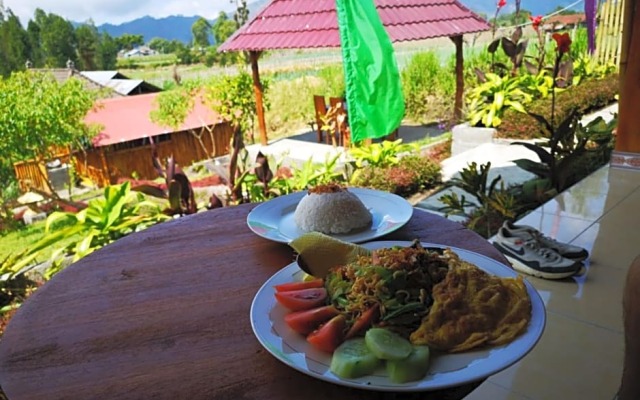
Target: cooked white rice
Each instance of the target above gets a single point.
(338, 212)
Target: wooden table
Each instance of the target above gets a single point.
(164, 314)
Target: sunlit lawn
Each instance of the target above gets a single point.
(24, 238)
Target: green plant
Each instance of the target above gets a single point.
(428, 87)
(233, 97)
(117, 214)
(568, 140)
(590, 95)
(562, 156)
(587, 67)
(412, 174)
(488, 101)
(179, 191)
(493, 205)
(513, 47)
(381, 154)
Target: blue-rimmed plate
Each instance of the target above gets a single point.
(273, 219)
(446, 370)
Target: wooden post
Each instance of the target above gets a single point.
(628, 133)
(457, 109)
(257, 87)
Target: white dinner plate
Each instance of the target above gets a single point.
(273, 219)
(446, 370)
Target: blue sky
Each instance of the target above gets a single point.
(118, 11)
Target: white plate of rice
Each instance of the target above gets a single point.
(274, 219)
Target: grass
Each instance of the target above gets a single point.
(23, 238)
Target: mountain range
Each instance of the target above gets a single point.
(179, 27)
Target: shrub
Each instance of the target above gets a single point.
(411, 175)
(428, 87)
(588, 96)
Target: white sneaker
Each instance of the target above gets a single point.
(566, 250)
(529, 257)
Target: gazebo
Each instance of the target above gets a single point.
(296, 24)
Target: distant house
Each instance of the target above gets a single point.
(124, 145)
(123, 148)
(120, 83)
(109, 83)
(562, 21)
(141, 51)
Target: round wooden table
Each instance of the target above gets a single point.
(164, 314)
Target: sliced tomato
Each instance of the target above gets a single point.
(330, 335)
(364, 321)
(306, 321)
(286, 287)
(303, 299)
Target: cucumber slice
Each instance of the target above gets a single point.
(387, 345)
(353, 359)
(412, 368)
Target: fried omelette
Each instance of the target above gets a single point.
(472, 308)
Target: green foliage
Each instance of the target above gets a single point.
(200, 31)
(233, 97)
(562, 156)
(588, 96)
(173, 106)
(39, 113)
(412, 173)
(428, 87)
(87, 45)
(488, 101)
(56, 40)
(14, 44)
(223, 28)
(332, 80)
(128, 41)
(383, 154)
(117, 214)
(587, 67)
(493, 204)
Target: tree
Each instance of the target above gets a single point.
(173, 107)
(128, 41)
(14, 43)
(223, 28)
(36, 56)
(88, 39)
(57, 39)
(107, 55)
(242, 12)
(40, 114)
(201, 30)
(160, 45)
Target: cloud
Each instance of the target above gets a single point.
(116, 11)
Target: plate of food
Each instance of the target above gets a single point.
(464, 317)
(353, 215)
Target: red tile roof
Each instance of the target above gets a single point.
(127, 118)
(292, 24)
(568, 19)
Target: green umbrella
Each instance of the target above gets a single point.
(373, 90)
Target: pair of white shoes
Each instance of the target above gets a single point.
(533, 253)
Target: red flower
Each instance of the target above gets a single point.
(536, 21)
(563, 42)
(502, 3)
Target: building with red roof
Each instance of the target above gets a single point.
(124, 144)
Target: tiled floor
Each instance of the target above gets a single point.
(579, 356)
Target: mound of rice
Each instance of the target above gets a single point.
(331, 209)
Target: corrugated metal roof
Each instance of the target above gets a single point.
(127, 118)
(294, 24)
(102, 77)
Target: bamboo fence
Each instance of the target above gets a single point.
(609, 32)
